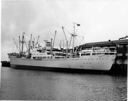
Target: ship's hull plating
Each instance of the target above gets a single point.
(99, 62)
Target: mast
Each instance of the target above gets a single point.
(60, 44)
(31, 42)
(19, 45)
(29, 45)
(22, 48)
(51, 45)
(54, 38)
(74, 34)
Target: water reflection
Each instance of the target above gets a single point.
(38, 85)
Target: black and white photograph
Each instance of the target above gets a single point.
(64, 50)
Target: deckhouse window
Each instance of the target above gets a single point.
(83, 54)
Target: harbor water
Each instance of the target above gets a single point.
(19, 84)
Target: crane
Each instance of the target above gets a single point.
(66, 40)
(37, 40)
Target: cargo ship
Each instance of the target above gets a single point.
(94, 58)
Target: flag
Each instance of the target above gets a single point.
(78, 24)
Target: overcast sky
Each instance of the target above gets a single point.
(100, 20)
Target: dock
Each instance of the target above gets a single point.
(121, 60)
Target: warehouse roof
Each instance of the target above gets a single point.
(105, 43)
